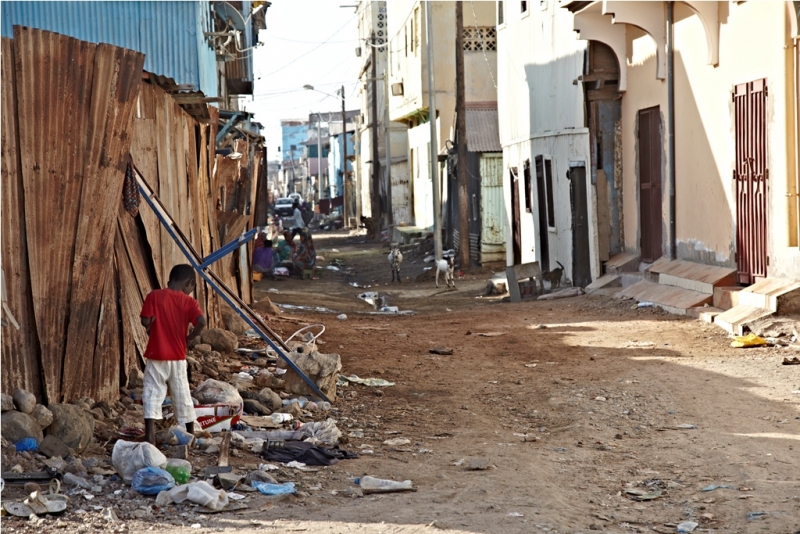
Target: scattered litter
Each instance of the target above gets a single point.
(128, 457)
(642, 495)
(378, 485)
(600, 399)
(478, 464)
(531, 365)
(268, 467)
(756, 515)
(791, 361)
(266, 488)
(687, 526)
(750, 340)
(564, 293)
(318, 309)
(342, 317)
(429, 259)
(638, 345)
(516, 514)
(273, 290)
(397, 442)
(713, 487)
(645, 304)
(235, 496)
(489, 334)
(332, 268)
(152, 481)
(371, 382)
(459, 463)
(442, 351)
(686, 426)
(201, 493)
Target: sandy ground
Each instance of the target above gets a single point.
(567, 405)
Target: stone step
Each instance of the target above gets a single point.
(670, 298)
(604, 282)
(776, 294)
(706, 314)
(726, 298)
(735, 319)
(692, 276)
(622, 262)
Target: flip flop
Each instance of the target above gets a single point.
(791, 361)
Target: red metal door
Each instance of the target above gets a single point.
(650, 147)
(751, 175)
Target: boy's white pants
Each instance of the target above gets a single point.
(158, 374)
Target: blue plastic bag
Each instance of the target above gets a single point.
(26, 444)
(274, 489)
(152, 481)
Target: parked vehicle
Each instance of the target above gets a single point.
(283, 207)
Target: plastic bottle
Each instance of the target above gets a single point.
(279, 418)
(324, 406)
(181, 470)
(378, 485)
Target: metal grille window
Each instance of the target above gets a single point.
(477, 39)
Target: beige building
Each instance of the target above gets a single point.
(719, 189)
(408, 103)
(373, 24)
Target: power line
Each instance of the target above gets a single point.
(313, 49)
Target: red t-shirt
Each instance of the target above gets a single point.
(173, 312)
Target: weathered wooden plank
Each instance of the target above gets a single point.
(105, 371)
(19, 358)
(115, 87)
(135, 247)
(166, 177)
(54, 74)
(145, 157)
(130, 302)
(195, 206)
(179, 158)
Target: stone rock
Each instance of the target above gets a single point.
(255, 407)
(259, 476)
(220, 340)
(270, 399)
(322, 369)
(72, 425)
(209, 371)
(17, 425)
(42, 415)
(232, 321)
(205, 348)
(52, 446)
(135, 379)
(24, 400)
(7, 402)
(77, 468)
(108, 411)
(265, 305)
(98, 414)
(228, 481)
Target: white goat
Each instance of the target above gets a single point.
(446, 266)
(395, 259)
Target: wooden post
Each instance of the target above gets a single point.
(461, 139)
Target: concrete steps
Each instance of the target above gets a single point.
(621, 263)
(692, 276)
(670, 298)
(726, 298)
(766, 297)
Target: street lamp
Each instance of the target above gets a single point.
(309, 87)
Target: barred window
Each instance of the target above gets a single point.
(477, 39)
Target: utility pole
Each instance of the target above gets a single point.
(345, 189)
(387, 140)
(319, 154)
(434, 151)
(376, 176)
(461, 137)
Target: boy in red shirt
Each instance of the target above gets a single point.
(167, 314)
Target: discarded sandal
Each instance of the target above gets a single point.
(791, 361)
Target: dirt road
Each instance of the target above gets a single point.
(564, 406)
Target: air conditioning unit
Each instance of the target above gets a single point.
(397, 89)
(358, 51)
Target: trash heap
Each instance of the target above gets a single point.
(258, 426)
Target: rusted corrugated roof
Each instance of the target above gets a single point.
(483, 131)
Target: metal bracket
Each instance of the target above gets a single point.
(230, 298)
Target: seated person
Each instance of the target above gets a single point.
(304, 257)
(285, 247)
(264, 257)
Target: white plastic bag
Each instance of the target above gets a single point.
(201, 493)
(215, 392)
(128, 457)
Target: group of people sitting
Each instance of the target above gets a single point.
(301, 256)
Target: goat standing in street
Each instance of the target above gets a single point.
(395, 259)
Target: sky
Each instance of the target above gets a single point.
(306, 42)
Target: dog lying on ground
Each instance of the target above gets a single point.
(395, 259)
(447, 267)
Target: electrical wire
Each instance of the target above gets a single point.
(313, 49)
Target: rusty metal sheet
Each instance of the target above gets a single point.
(145, 156)
(54, 80)
(130, 304)
(115, 88)
(105, 371)
(20, 358)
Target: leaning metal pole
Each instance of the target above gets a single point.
(434, 151)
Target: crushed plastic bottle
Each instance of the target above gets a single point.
(181, 470)
(378, 485)
(279, 418)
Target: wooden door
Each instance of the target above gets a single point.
(515, 229)
(541, 199)
(751, 175)
(650, 183)
(581, 260)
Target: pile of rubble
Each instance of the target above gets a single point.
(271, 429)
